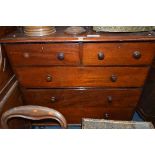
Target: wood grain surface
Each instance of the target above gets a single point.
(37, 77)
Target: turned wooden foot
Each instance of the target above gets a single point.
(32, 113)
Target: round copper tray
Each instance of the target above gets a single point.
(75, 30)
(39, 30)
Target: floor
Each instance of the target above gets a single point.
(136, 117)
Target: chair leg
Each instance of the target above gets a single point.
(32, 113)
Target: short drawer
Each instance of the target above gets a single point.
(43, 54)
(118, 53)
(53, 77)
(82, 98)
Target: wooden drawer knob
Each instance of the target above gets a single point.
(60, 56)
(49, 78)
(100, 56)
(137, 54)
(106, 116)
(113, 78)
(109, 99)
(53, 99)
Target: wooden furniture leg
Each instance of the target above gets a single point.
(32, 113)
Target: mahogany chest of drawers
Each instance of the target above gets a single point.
(82, 76)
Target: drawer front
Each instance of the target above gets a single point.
(76, 104)
(82, 98)
(118, 53)
(43, 54)
(74, 116)
(52, 77)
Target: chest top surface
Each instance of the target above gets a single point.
(89, 36)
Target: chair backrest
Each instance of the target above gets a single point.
(32, 113)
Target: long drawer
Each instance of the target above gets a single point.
(43, 54)
(74, 116)
(52, 77)
(82, 98)
(118, 53)
(76, 104)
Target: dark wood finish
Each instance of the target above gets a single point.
(92, 103)
(38, 77)
(4, 30)
(84, 72)
(69, 50)
(85, 98)
(5, 70)
(118, 53)
(43, 54)
(74, 116)
(32, 113)
(10, 95)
